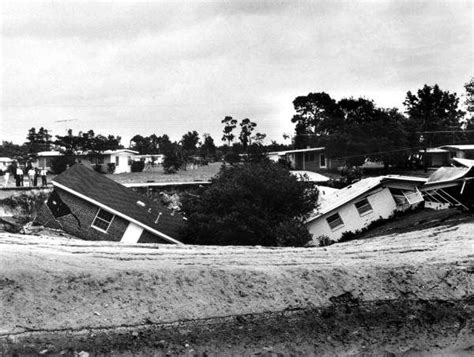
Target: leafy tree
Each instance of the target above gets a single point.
(246, 128)
(8, 149)
(469, 123)
(38, 140)
(469, 86)
(351, 129)
(433, 113)
(251, 204)
(316, 114)
(190, 141)
(229, 126)
(145, 144)
(174, 159)
(208, 148)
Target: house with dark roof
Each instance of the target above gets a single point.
(309, 159)
(91, 206)
(356, 206)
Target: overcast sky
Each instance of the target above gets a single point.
(127, 68)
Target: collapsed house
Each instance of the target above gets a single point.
(91, 206)
(355, 207)
(451, 186)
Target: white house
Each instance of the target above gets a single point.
(4, 163)
(356, 206)
(45, 158)
(122, 159)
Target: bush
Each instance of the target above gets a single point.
(324, 241)
(97, 168)
(232, 157)
(111, 167)
(172, 162)
(137, 166)
(250, 204)
(61, 163)
(292, 233)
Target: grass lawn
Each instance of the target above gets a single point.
(203, 173)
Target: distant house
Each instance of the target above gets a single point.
(4, 163)
(443, 155)
(122, 159)
(91, 206)
(460, 151)
(45, 159)
(356, 206)
(435, 157)
(310, 159)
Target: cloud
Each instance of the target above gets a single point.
(175, 66)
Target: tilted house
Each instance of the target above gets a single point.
(451, 186)
(356, 206)
(91, 206)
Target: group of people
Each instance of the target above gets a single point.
(33, 175)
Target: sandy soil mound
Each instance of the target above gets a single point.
(398, 294)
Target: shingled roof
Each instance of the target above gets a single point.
(99, 189)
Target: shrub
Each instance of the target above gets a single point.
(111, 167)
(232, 157)
(61, 163)
(324, 241)
(173, 162)
(292, 233)
(97, 168)
(250, 204)
(137, 166)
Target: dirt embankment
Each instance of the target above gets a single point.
(404, 294)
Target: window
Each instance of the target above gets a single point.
(102, 220)
(322, 160)
(335, 221)
(116, 160)
(363, 206)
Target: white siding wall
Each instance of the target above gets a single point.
(123, 165)
(383, 205)
(132, 234)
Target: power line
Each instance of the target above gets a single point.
(390, 151)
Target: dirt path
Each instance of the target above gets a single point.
(400, 294)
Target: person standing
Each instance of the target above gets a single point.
(6, 177)
(43, 173)
(31, 176)
(19, 176)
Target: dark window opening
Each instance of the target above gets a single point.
(335, 221)
(102, 220)
(363, 206)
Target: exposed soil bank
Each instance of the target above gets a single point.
(402, 294)
(347, 327)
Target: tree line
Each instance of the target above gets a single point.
(351, 129)
(354, 129)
